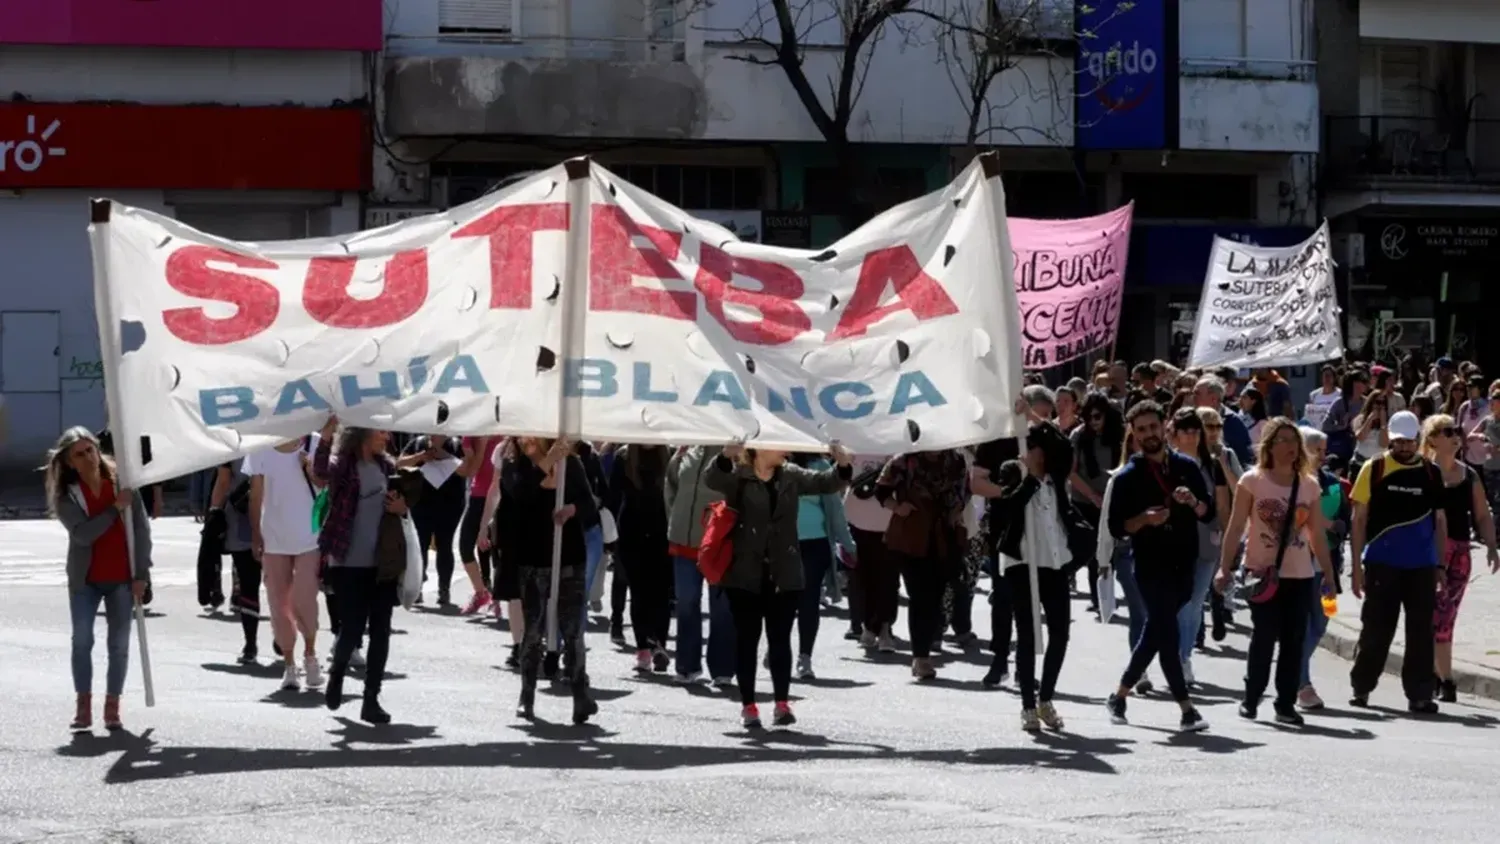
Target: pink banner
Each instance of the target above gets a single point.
(1070, 277)
(225, 24)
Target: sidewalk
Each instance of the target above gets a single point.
(1476, 640)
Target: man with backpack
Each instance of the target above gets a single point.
(1395, 548)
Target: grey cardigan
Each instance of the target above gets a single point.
(688, 495)
(765, 543)
(84, 531)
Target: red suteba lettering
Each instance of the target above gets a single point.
(615, 260)
(916, 291)
(782, 318)
(326, 292)
(255, 300)
(511, 230)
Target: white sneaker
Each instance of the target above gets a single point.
(312, 672)
(1187, 672)
(886, 643)
(692, 679)
(358, 659)
(804, 668)
(291, 680)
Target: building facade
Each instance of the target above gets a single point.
(1411, 171)
(1206, 116)
(250, 121)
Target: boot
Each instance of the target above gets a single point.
(526, 706)
(584, 705)
(83, 717)
(371, 712)
(112, 713)
(333, 693)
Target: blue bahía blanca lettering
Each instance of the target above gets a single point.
(582, 378)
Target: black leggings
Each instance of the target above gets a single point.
(468, 540)
(247, 574)
(648, 572)
(1052, 587)
(436, 523)
(774, 612)
(925, 580)
(363, 605)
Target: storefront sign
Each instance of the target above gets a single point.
(1125, 75)
(898, 337)
(744, 225)
(218, 24)
(1431, 244)
(787, 228)
(1070, 277)
(87, 145)
(1268, 307)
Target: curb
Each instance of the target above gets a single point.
(1342, 638)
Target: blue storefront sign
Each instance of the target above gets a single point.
(1126, 75)
(1177, 256)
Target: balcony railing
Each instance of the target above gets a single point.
(503, 45)
(1371, 147)
(1285, 70)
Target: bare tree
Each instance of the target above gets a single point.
(778, 34)
(979, 42)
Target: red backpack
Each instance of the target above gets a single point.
(716, 548)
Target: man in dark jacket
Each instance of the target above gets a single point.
(1159, 497)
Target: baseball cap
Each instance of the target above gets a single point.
(1404, 426)
(1445, 363)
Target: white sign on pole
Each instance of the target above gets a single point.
(1268, 306)
(896, 338)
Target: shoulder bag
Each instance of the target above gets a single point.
(1259, 587)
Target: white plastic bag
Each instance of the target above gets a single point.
(411, 579)
(1106, 586)
(608, 527)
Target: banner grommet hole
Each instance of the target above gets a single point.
(373, 347)
(982, 345)
(901, 352)
(913, 430)
(470, 299)
(619, 339)
(497, 408)
(546, 359)
(825, 256)
(164, 242)
(976, 411)
(556, 290)
(749, 364)
(833, 302)
(132, 336)
(176, 378)
(442, 412)
(948, 252)
(283, 352)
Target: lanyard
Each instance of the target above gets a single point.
(1160, 476)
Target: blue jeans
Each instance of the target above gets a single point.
(1317, 625)
(83, 606)
(1191, 616)
(817, 561)
(1135, 602)
(689, 584)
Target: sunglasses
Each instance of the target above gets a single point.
(1212, 427)
(1449, 432)
(1096, 417)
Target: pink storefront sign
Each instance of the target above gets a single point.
(225, 24)
(1070, 278)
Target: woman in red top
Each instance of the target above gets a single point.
(82, 493)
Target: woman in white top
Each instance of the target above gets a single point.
(1036, 512)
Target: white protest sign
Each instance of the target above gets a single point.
(896, 338)
(1268, 306)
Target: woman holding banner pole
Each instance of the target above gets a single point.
(82, 495)
(1036, 513)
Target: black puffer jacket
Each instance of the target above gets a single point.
(765, 535)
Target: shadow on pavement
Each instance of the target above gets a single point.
(1476, 720)
(1206, 742)
(293, 699)
(833, 683)
(263, 670)
(1357, 733)
(558, 747)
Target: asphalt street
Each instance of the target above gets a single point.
(224, 757)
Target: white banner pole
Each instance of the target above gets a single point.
(127, 446)
(572, 303)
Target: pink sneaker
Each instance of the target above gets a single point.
(643, 661)
(477, 603)
(496, 607)
(750, 717)
(783, 716)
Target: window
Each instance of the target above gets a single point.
(1401, 81)
(1051, 194)
(1191, 196)
(823, 188)
(479, 17)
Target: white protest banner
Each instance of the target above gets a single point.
(1268, 306)
(895, 338)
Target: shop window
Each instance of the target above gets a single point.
(1051, 194)
(1191, 196)
(824, 192)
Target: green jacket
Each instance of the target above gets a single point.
(766, 541)
(687, 495)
